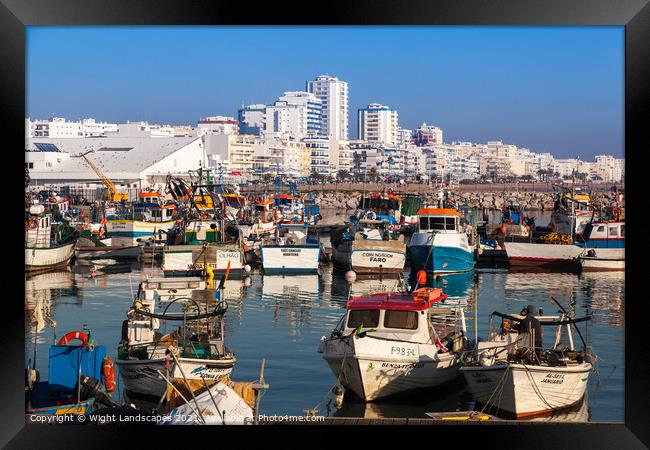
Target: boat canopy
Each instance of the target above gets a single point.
(420, 300)
(437, 212)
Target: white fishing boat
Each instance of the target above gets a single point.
(199, 351)
(293, 252)
(506, 373)
(388, 344)
(370, 245)
(603, 246)
(47, 244)
(142, 219)
(187, 260)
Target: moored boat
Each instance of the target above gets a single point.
(198, 347)
(509, 374)
(388, 344)
(440, 244)
(604, 245)
(47, 244)
(294, 252)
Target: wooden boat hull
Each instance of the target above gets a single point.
(132, 252)
(141, 376)
(290, 258)
(374, 369)
(526, 391)
(45, 258)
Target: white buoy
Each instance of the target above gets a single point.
(350, 275)
(247, 268)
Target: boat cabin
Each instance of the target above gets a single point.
(603, 235)
(386, 205)
(393, 315)
(440, 220)
(152, 211)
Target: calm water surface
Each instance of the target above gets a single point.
(283, 318)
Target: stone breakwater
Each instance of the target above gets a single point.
(532, 201)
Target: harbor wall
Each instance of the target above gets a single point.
(531, 201)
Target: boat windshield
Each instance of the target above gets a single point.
(366, 318)
(437, 223)
(403, 320)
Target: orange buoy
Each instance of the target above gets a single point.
(503, 229)
(71, 336)
(422, 277)
(108, 372)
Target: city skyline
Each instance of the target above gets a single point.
(550, 89)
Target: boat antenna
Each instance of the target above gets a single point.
(584, 344)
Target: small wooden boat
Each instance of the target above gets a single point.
(391, 343)
(509, 375)
(77, 374)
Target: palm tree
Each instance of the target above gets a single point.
(342, 175)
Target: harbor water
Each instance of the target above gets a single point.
(282, 318)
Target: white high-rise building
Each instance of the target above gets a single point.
(309, 109)
(378, 123)
(333, 94)
(251, 119)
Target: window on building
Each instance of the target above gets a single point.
(366, 318)
(403, 320)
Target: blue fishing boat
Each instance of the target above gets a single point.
(79, 376)
(440, 245)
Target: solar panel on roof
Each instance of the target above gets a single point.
(44, 147)
(115, 149)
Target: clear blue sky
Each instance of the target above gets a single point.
(556, 89)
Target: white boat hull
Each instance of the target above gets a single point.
(378, 368)
(183, 259)
(542, 255)
(44, 258)
(605, 259)
(298, 258)
(141, 376)
(527, 390)
(370, 260)
(135, 229)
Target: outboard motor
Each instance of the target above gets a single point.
(90, 387)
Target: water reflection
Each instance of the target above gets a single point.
(604, 296)
(291, 296)
(40, 290)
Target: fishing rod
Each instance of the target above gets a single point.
(584, 344)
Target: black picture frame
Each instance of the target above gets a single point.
(15, 15)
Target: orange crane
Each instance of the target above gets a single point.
(113, 195)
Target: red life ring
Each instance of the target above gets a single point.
(71, 336)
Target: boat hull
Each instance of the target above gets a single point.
(293, 258)
(141, 376)
(371, 369)
(132, 252)
(188, 260)
(526, 391)
(45, 258)
(542, 255)
(370, 256)
(440, 253)
(135, 229)
(606, 259)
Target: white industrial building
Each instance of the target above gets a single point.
(129, 162)
(334, 96)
